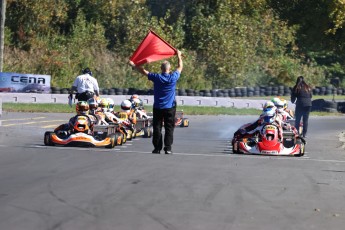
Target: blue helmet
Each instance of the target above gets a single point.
(269, 115)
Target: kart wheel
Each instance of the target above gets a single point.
(129, 135)
(147, 132)
(151, 130)
(124, 138)
(118, 138)
(112, 141)
(48, 138)
(184, 122)
(301, 151)
(235, 147)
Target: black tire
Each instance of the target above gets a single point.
(119, 139)
(234, 149)
(112, 141)
(124, 138)
(250, 94)
(329, 110)
(184, 122)
(220, 94)
(147, 132)
(330, 104)
(341, 107)
(302, 151)
(130, 135)
(48, 138)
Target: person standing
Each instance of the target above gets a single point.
(85, 85)
(164, 105)
(301, 95)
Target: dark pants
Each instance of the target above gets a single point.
(168, 116)
(299, 113)
(84, 96)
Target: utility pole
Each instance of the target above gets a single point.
(2, 32)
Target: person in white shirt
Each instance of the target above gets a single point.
(85, 85)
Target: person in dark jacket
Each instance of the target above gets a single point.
(301, 95)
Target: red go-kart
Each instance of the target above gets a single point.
(266, 142)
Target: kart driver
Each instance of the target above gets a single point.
(96, 114)
(279, 104)
(82, 109)
(126, 109)
(269, 116)
(137, 102)
(286, 109)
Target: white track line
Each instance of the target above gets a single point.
(24, 119)
(229, 155)
(75, 148)
(32, 122)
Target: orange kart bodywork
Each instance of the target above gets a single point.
(180, 120)
(106, 136)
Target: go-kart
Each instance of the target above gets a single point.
(143, 128)
(126, 125)
(266, 142)
(180, 120)
(80, 135)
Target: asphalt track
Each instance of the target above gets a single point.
(201, 186)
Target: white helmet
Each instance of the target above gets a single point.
(268, 105)
(280, 106)
(111, 104)
(126, 105)
(269, 116)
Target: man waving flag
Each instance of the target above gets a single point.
(152, 48)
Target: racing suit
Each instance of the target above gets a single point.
(257, 127)
(67, 128)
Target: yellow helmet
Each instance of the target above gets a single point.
(104, 104)
(285, 103)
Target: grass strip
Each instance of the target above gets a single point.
(188, 110)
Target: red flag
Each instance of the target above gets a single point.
(152, 48)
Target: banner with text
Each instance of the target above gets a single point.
(24, 83)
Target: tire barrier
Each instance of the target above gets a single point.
(317, 105)
(256, 91)
(321, 105)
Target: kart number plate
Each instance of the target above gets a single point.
(270, 127)
(81, 138)
(269, 152)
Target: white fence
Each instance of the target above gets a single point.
(148, 100)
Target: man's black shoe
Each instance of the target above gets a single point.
(156, 151)
(168, 152)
